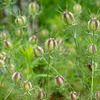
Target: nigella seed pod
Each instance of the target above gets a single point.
(33, 8)
(10, 69)
(7, 44)
(16, 77)
(4, 35)
(1, 63)
(97, 95)
(93, 24)
(60, 41)
(68, 18)
(59, 81)
(18, 33)
(77, 8)
(92, 49)
(19, 21)
(44, 33)
(73, 96)
(40, 94)
(2, 55)
(50, 44)
(7, 59)
(38, 51)
(33, 40)
(26, 86)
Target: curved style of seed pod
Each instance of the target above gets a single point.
(77, 8)
(19, 33)
(33, 8)
(19, 21)
(59, 81)
(33, 40)
(38, 51)
(26, 86)
(16, 77)
(2, 55)
(1, 63)
(44, 32)
(92, 49)
(40, 94)
(68, 18)
(4, 35)
(7, 44)
(7, 1)
(97, 95)
(72, 96)
(93, 24)
(50, 44)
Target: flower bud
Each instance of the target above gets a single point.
(92, 49)
(19, 21)
(97, 95)
(77, 8)
(7, 44)
(1, 63)
(44, 33)
(93, 24)
(16, 77)
(2, 55)
(33, 8)
(72, 96)
(40, 94)
(7, 59)
(4, 35)
(26, 86)
(33, 40)
(60, 41)
(59, 81)
(18, 33)
(38, 51)
(68, 18)
(7, 1)
(10, 69)
(50, 44)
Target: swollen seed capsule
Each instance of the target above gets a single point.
(26, 86)
(33, 8)
(7, 59)
(72, 96)
(93, 24)
(92, 49)
(59, 81)
(2, 55)
(68, 18)
(77, 8)
(10, 69)
(7, 44)
(16, 77)
(4, 35)
(19, 21)
(1, 63)
(44, 33)
(33, 40)
(38, 51)
(97, 95)
(50, 44)
(40, 94)
(18, 33)
(60, 41)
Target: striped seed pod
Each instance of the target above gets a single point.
(44, 33)
(50, 44)
(77, 8)
(59, 81)
(7, 44)
(7, 59)
(72, 96)
(1, 63)
(68, 18)
(26, 86)
(38, 51)
(10, 69)
(33, 8)
(18, 33)
(40, 94)
(19, 21)
(60, 41)
(33, 40)
(92, 49)
(4, 35)
(97, 95)
(93, 24)
(16, 77)
(2, 55)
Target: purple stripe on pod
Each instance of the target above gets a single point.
(62, 79)
(32, 5)
(89, 48)
(20, 76)
(54, 44)
(96, 23)
(15, 76)
(57, 80)
(69, 15)
(39, 49)
(36, 5)
(90, 23)
(65, 15)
